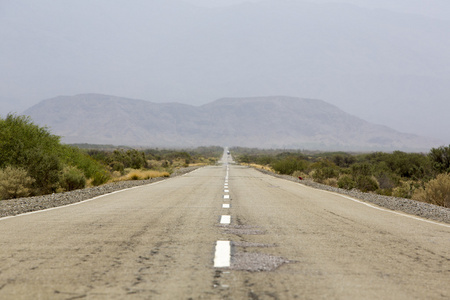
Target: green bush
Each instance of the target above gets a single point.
(410, 165)
(366, 183)
(100, 177)
(361, 169)
(14, 183)
(117, 166)
(81, 160)
(289, 165)
(28, 146)
(323, 170)
(72, 178)
(346, 182)
(440, 159)
(404, 190)
(387, 181)
(343, 160)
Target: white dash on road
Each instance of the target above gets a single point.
(225, 205)
(225, 219)
(226, 191)
(226, 196)
(222, 256)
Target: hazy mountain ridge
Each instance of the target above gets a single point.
(277, 121)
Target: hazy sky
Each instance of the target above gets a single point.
(382, 60)
(432, 8)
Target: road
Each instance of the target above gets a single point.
(158, 241)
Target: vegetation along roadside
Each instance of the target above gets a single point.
(422, 177)
(37, 171)
(33, 162)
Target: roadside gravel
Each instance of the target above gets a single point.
(18, 206)
(23, 205)
(420, 209)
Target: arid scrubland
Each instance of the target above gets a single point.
(419, 176)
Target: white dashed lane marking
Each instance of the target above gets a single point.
(222, 256)
(226, 205)
(225, 219)
(226, 196)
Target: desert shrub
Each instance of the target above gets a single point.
(414, 166)
(409, 165)
(28, 146)
(117, 166)
(346, 182)
(323, 170)
(72, 178)
(130, 159)
(331, 182)
(289, 165)
(14, 183)
(405, 189)
(366, 183)
(81, 160)
(100, 177)
(361, 169)
(265, 160)
(384, 192)
(436, 191)
(387, 181)
(343, 160)
(138, 159)
(187, 161)
(244, 158)
(440, 159)
(179, 155)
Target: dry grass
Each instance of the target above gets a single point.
(142, 175)
(331, 182)
(198, 164)
(259, 167)
(437, 191)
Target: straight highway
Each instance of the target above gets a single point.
(223, 232)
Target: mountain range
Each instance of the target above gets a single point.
(264, 122)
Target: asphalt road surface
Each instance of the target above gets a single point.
(285, 241)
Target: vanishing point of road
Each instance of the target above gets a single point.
(223, 232)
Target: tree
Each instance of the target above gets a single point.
(440, 159)
(33, 148)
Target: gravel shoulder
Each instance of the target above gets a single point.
(23, 205)
(412, 207)
(18, 206)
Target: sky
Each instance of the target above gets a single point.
(435, 9)
(381, 60)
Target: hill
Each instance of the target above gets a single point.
(251, 122)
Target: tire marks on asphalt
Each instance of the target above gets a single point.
(225, 257)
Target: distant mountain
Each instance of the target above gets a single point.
(251, 122)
